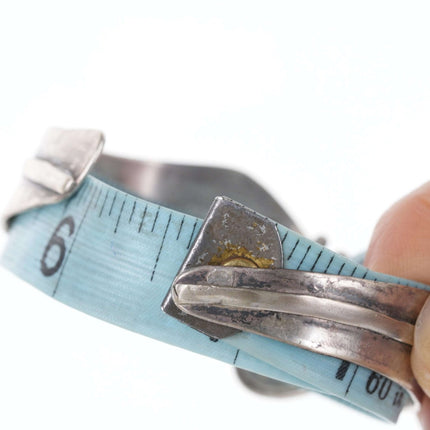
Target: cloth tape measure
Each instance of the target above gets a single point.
(114, 255)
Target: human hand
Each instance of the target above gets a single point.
(401, 246)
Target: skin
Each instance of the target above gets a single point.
(401, 246)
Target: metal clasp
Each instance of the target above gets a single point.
(233, 280)
(61, 163)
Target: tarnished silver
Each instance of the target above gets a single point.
(284, 291)
(60, 165)
(65, 157)
(230, 232)
(186, 188)
(267, 386)
(191, 189)
(366, 322)
(46, 174)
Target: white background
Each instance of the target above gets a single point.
(326, 104)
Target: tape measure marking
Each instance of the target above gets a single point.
(64, 263)
(119, 271)
(352, 378)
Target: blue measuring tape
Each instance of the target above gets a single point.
(114, 256)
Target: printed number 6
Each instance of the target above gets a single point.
(56, 240)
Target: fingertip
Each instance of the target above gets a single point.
(400, 243)
(400, 246)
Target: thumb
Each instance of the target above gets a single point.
(401, 246)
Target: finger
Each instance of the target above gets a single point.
(424, 414)
(401, 246)
(401, 240)
(420, 358)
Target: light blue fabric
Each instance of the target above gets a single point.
(120, 257)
